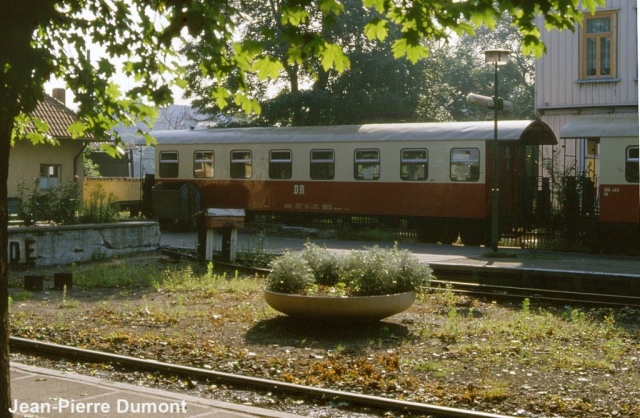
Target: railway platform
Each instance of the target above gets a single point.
(39, 392)
(450, 255)
(525, 268)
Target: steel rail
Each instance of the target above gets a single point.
(551, 295)
(480, 289)
(245, 381)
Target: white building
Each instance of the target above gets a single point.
(587, 92)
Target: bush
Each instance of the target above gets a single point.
(290, 274)
(323, 264)
(101, 207)
(57, 205)
(375, 271)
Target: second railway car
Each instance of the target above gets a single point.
(435, 176)
(611, 164)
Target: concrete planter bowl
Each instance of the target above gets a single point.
(344, 308)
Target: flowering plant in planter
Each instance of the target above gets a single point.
(374, 271)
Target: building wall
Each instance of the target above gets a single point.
(562, 96)
(558, 83)
(25, 160)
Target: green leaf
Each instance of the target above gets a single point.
(377, 4)
(486, 17)
(221, 96)
(295, 55)
(113, 90)
(162, 95)
(332, 56)
(376, 29)
(267, 67)
(591, 5)
(40, 125)
(246, 104)
(294, 15)
(248, 47)
(414, 52)
(77, 129)
(149, 139)
(181, 83)
(331, 6)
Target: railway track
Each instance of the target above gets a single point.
(480, 282)
(545, 295)
(382, 404)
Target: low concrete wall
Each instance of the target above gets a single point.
(58, 245)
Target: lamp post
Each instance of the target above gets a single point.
(496, 57)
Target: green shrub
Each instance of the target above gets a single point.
(58, 205)
(290, 274)
(101, 207)
(379, 271)
(323, 264)
(375, 271)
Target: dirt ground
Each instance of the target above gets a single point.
(514, 358)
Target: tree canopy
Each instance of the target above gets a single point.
(45, 39)
(378, 88)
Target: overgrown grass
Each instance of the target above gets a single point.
(179, 278)
(564, 336)
(254, 254)
(21, 295)
(447, 346)
(115, 274)
(208, 283)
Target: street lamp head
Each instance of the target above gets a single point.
(496, 56)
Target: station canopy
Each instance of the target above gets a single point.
(600, 127)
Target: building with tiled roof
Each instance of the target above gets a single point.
(58, 116)
(47, 166)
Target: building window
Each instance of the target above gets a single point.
(240, 164)
(465, 164)
(598, 46)
(323, 164)
(168, 166)
(280, 165)
(631, 165)
(49, 176)
(203, 164)
(366, 164)
(414, 164)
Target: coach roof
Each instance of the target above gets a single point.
(529, 132)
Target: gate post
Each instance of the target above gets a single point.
(228, 221)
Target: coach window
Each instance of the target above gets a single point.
(168, 164)
(414, 164)
(240, 164)
(366, 164)
(323, 164)
(203, 164)
(631, 165)
(280, 165)
(465, 164)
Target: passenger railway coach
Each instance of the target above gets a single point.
(435, 176)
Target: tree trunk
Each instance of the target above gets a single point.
(5, 381)
(12, 81)
(23, 70)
